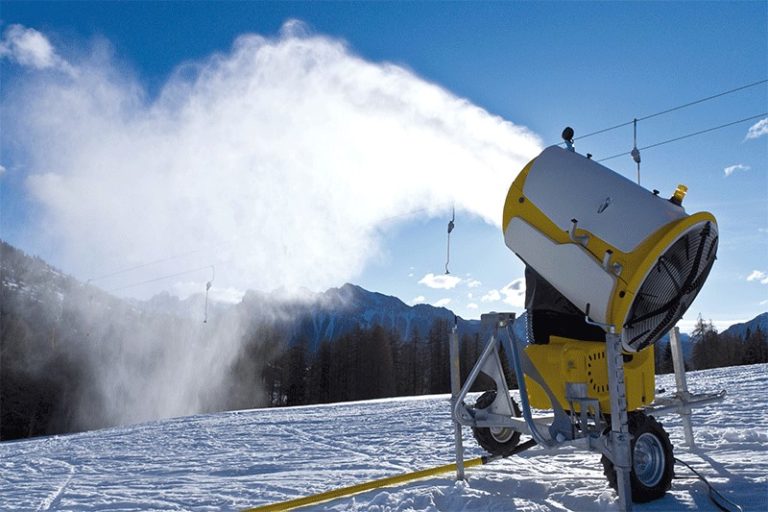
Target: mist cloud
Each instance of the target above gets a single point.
(283, 157)
(28, 47)
(280, 163)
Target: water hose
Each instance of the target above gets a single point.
(384, 482)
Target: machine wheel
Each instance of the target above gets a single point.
(495, 440)
(653, 463)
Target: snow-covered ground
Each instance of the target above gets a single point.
(247, 458)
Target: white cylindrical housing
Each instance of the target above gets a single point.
(633, 259)
(565, 185)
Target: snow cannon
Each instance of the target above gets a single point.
(610, 268)
(626, 258)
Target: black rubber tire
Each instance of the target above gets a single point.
(495, 441)
(653, 462)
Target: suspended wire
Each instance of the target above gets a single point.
(147, 264)
(161, 278)
(673, 109)
(687, 136)
(203, 249)
(702, 100)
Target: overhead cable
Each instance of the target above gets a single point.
(673, 109)
(161, 278)
(148, 264)
(686, 136)
(702, 100)
(208, 248)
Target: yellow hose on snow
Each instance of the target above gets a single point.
(365, 486)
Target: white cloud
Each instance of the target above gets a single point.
(442, 303)
(764, 302)
(473, 283)
(758, 129)
(758, 275)
(514, 293)
(291, 149)
(2, 169)
(440, 281)
(733, 168)
(418, 300)
(472, 305)
(29, 48)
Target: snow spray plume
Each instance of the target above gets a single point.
(277, 162)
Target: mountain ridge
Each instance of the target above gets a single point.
(316, 316)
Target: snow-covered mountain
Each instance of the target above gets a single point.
(306, 316)
(310, 318)
(741, 330)
(230, 461)
(336, 312)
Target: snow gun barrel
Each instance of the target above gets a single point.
(624, 256)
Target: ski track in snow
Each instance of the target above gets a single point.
(234, 460)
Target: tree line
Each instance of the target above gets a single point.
(368, 363)
(46, 332)
(717, 350)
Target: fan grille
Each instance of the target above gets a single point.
(671, 286)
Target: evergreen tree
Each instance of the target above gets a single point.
(296, 378)
(320, 374)
(755, 348)
(439, 362)
(662, 354)
(706, 344)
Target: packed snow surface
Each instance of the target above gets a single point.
(247, 458)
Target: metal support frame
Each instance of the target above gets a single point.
(561, 428)
(499, 412)
(455, 390)
(681, 382)
(619, 440)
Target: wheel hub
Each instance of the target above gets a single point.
(502, 434)
(648, 459)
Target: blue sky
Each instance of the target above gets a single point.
(531, 68)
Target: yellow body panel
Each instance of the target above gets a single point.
(572, 361)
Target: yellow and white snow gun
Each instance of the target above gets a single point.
(610, 268)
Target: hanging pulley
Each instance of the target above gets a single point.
(450, 228)
(208, 286)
